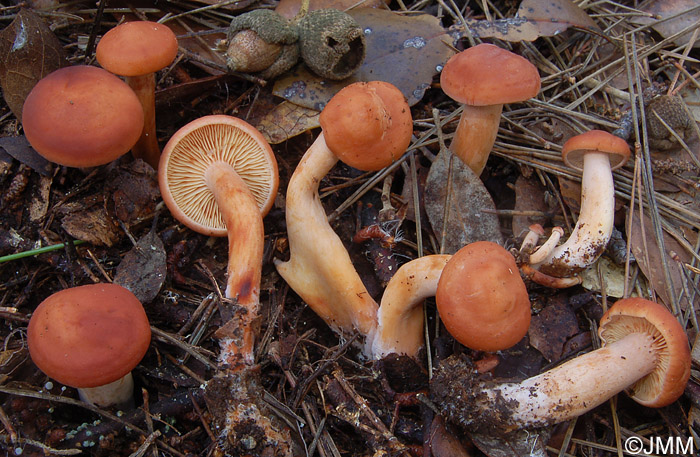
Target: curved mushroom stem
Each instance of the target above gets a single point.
(319, 268)
(246, 237)
(119, 392)
(557, 395)
(475, 135)
(547, 247)
(595, 222)
(400, 316)
(146, 147)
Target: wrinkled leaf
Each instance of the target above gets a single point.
(662, 9)
(551, 328)
(143, 268)
(466, 220)
(535, 18)
(29, 50)
(93, 225)
(406, 51)
(19, 148)
(287, 120)
(133, 189)
(613, 275)
(290, 8)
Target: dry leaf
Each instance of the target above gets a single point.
(290, 8)
(287, 120)
(143, 268)
(613, 275)
(466, 220)
(29, 50)
(93, 225)
(407, 51)
(662, 9)
(133, 190)
(551, 329)
(529, 196)
(19, 148)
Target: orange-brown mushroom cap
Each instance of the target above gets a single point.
(88, 336)
(367, 125)
(481, 298)
(667, 382)
(137, 48)
(193, 148)
(595, 141)
(82, 116)
(488, 75)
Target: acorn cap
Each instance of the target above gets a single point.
(595, 141)
(488, 75)
(137, 48)
(267, 24)
(193, 148)
(367, 125)
(88, 336)
(482, 299)
(82, 116)
(667, 382)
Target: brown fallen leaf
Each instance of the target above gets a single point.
(287, 120)
(466, 219)
(29, 50)
(93, 225)
(529, 196)
(19, 148)
(407, 51)
(688, 17)
(551, 328)
(143, 269)
(133, 190)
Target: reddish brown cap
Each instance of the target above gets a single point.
(82, 116)
(595, 141)
(190, 151)
(137, 48)
(88, 336)
(367, 125)
(667, 382)
(481, 298)
(488, 75)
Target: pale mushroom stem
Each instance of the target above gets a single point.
(564, 392)
(119, 392)
(246, 237)
(319, 268)
(476, 134)
(595, 222)
(146, 147)
(400, 316)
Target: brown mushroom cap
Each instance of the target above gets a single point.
(599, 141)
(82, 116)
(137, 48)
(667, 382)
(367, 125)
(488, 75)
(193, 148)
(481, 298)
(88, 336)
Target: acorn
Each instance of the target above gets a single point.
(261, 41)
(332, 43)
(670, 109)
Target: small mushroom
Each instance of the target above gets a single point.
(645, 351)
(218, 176)
(137, 50)
(367, 126)
(597, 153)
(91, 337)
(483, 78)
(82, 116)
(481, 298)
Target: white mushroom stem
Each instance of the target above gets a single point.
(400, 316)
(560, 394)
(476, 134)
(541, 254)
(146, 147)
(595, 222)
(119, 392)
(319, 268)
(246, 237)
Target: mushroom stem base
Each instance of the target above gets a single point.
(146, 147)
(119, 392)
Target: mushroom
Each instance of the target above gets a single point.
(597, 153)
(91, 337)
(483, 78)
(645, 351)
(137, 50)
(81, 116)
(367, 126)
(218, 176)
(481, 298)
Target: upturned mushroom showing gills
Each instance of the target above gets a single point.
(482, 299)
(367, 126)
(218, 176)
(137, 50)
(645, 351)
(483, 78)
(81, 116)
(91, 337)
(597, 153)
